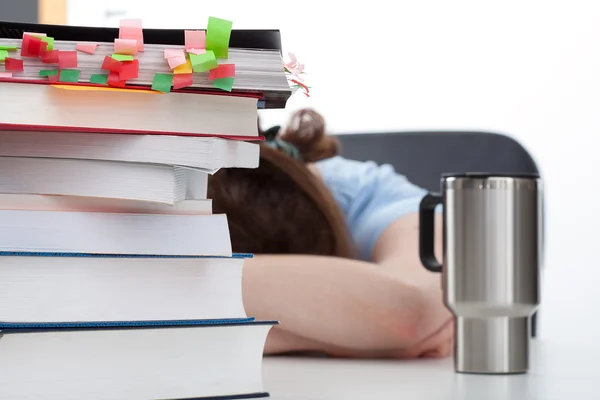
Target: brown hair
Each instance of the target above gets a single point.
(281, 207)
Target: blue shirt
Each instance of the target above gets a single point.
(371, 197)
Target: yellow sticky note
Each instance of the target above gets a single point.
(184, 68)
(102, 89)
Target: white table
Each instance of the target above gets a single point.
(558, 371)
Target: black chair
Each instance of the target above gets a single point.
(423, 156)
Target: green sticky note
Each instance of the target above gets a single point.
(162, 82)
(99, 79)
(122, 57)
(69, 75)
(218, 33)
(48, 72)
(3, 54)
(9, 48)
(203, 62)
(224, 84)
(50, 42)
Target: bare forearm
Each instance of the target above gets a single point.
(333, 302)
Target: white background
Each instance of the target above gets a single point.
(526, 68)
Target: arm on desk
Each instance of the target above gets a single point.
(345, 307)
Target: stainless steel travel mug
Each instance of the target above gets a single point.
(492, 233)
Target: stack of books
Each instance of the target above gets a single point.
(116, 279)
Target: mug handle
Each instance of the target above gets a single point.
(426, 231)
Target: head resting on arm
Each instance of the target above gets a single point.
(281, 207)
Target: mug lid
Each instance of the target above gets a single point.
(484, 175)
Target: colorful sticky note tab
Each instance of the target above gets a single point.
(115, 80)
(182, 80)
(132, 29)
(3, 54)
(196, 51)
(48, 72)
(67, 59)
(174, 53)
(9, 48)
(162, 82)
(175, 62)
(89, 48)
(49, 42)
(195, 39)
(50, 57)
(130, 70)
(184, 68)
(99, 79)
(69, 75)
(110, 64)
(5, 75)
(126, 46)
(12, 64)
(222, 71)
(203, 62)
(218, 33)
(122, 57)
(31, 46)
(224, 84)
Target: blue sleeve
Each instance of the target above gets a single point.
(371, 196)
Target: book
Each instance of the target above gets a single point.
(105, 179)
(65, 108)
(51, 287)
(206, 153)
(255, 53)
(218, 359)
(114, 233)
(36, 202)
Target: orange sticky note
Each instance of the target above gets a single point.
(89, 48)
(184, 68)
(195, 39)
(126, 46)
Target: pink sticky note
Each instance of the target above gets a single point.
(67, 59)
(131, 23)
(195, 40)
(132, 29)
(174, 53)
(126, 46)
(89, 48)
(196, 51)
(5, 74)
(176, 61)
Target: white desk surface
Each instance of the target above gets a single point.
(558, 371)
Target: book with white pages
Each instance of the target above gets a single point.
(102, 205)
(207, 153)
(105, 179)
(114, 233)
(68, 287)
(219, 359)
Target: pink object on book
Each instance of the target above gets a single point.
(182, 80)
(5, 74)
(129, 70)
(132, 29)
(89, 48)
(67, 59)
(196, 51)
(175, 62)
(222, 71)
(131, 23)
(126, 46)
(31, 46)
(50, 57)
(169, 53)
(195, 39)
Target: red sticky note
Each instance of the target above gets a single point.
(12, 64)
(129, 70)
(31, 46)
(112, 65)
(182, 80)
(115, 80)
(53, 78)
(50, 57)
(222, 71)
(89, 48)
(67, 59)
